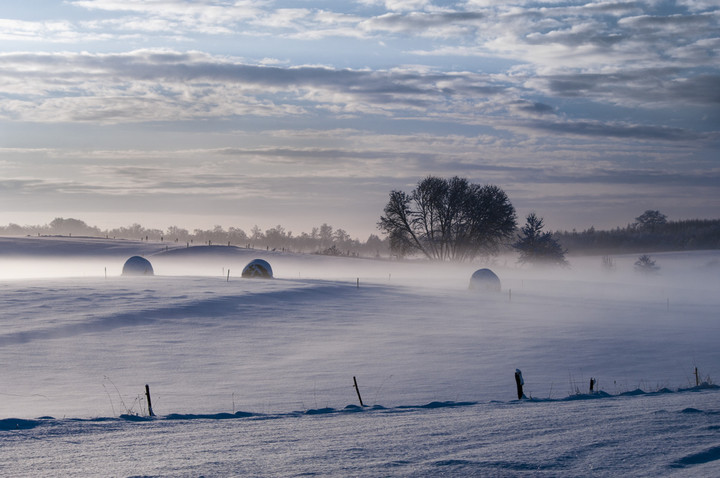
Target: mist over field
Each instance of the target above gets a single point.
(255, 376)
(439, 138)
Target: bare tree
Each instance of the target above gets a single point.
(448, 219)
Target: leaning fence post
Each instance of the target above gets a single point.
(697, 378)
(358, 391)
(147, 393)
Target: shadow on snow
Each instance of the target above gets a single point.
(9, 424)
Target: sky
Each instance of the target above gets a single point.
(261, 112)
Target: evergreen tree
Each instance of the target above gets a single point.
(650, 220)
(538, 247)
(646, 265)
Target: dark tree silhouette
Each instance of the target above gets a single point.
(448, 219)
(683, 235)
(538, 247)
(650, 220)
(645, 265)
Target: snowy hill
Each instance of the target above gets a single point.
(255, 377)
(75, 246)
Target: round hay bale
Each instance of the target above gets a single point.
(137, 266)
(258, 269)
(486, 280)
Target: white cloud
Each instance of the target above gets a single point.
(584, 91)
(206, 10)
(589, 35)
(174, 16)
(400, 5)
(149, 85)
(53, 31)
(153, 85)
(698, 5)
(284, 18)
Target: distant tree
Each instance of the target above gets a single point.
(340, 236)
(256, 233)
(177, 233)
(331, 251)
(135, 231)
(608, 263)
(538, 247)
(645, 265)
(374, 245)
(650, 220)
(13, 229)
(325, 235)
(64, 226)
(448, 219)
(276, 237)
(237, 236)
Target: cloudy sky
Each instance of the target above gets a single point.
(236, 113)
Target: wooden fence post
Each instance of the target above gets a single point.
(147, 393)
(358, 391)
(519, 382)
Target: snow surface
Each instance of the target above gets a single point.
(255, 377)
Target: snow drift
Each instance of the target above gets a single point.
(255, 377)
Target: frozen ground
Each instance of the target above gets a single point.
(254, 378)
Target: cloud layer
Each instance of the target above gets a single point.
(543, 99)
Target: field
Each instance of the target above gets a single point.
(255, 377)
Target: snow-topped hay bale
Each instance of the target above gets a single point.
(137, 266)
(258, 269)
(486, 280)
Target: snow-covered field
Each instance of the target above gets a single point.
(255, 377)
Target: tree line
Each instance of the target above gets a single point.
(322, 239)
(651, 232)
(452, 219)
(441, 219)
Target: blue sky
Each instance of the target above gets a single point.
(238, 113)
